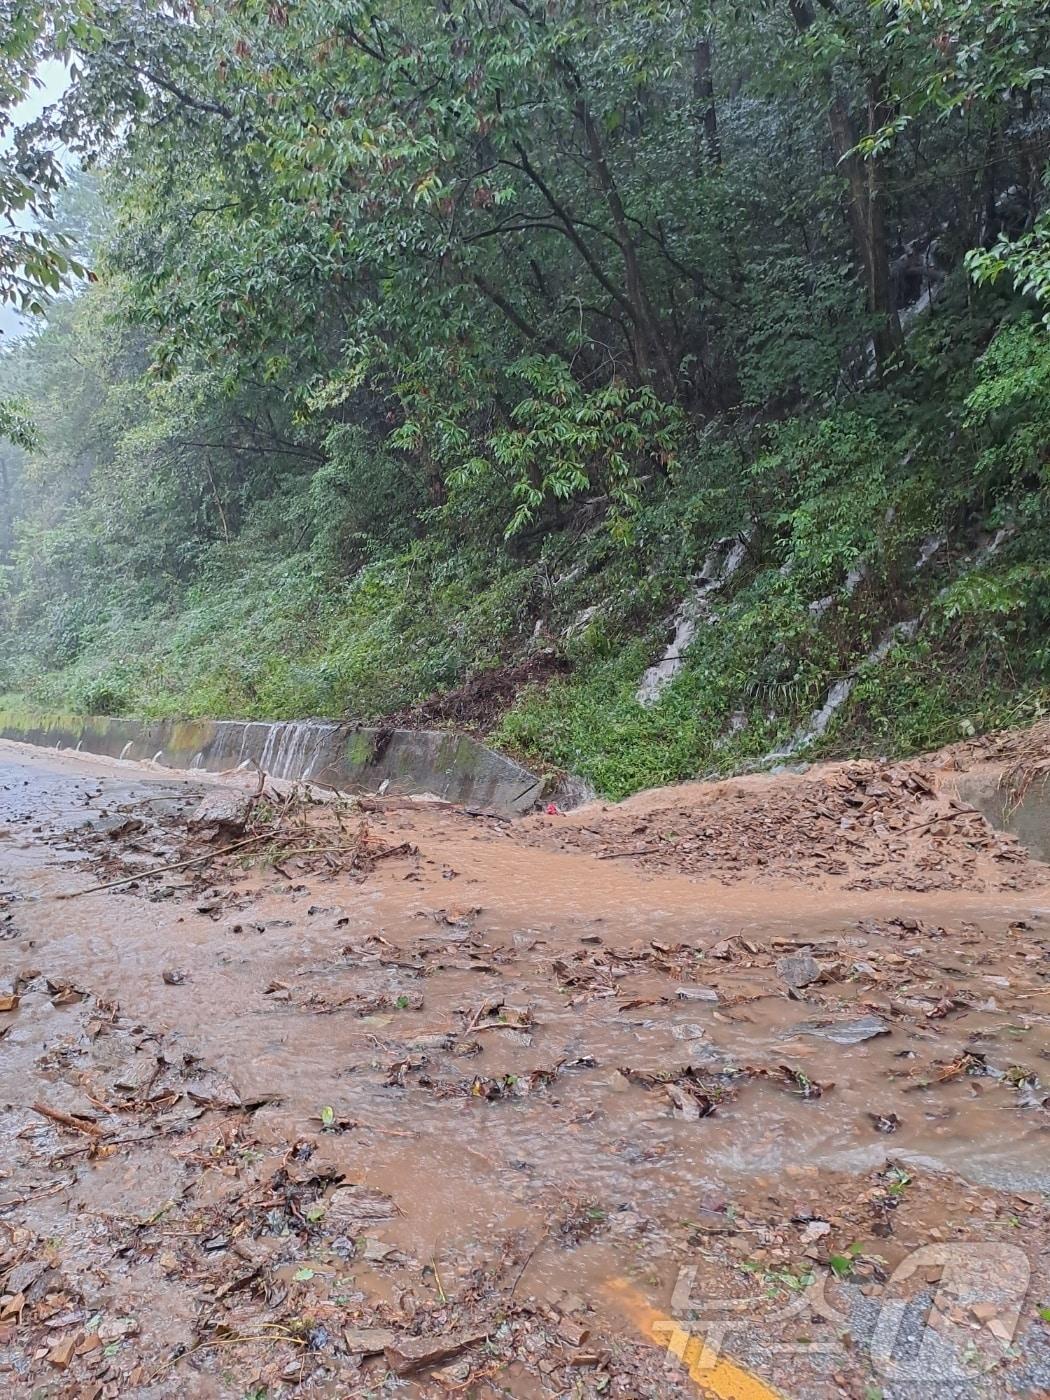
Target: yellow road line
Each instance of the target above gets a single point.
(711, 1372)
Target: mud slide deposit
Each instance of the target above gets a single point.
(734, 1089)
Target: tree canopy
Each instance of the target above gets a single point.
(502, 271)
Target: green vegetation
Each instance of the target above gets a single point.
(426, 341)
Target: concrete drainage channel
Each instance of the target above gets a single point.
(339, 755)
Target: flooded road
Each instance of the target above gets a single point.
(478, 1106)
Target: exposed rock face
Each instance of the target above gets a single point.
(719, 567)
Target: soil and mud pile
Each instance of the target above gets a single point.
(872, 825)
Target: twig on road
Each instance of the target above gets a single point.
(160, 869)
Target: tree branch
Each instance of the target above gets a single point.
(571, 231)
(198, 104)
(511, 312)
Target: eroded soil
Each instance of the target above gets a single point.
(398, 1099)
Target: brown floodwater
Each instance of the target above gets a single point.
(527, 1141)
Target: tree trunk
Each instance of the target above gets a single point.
(708, 148)
(867, 201)
(642, 309)
(434, 479)
(867, 218)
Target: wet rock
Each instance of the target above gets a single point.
(117, 1329)
(225, 811)
(884, 1122)
(864, 969)
(689, 1103)
(23, 1276)
(64, 993)
(349, 1204)
(814, 1230)
(213, 1090)
(114, 827)
(697, 994)
(845, 1032)
(572, 1332)
(375, 1251)
(369, 1341)
(798, 969)
(441, 1041)
(413, 1354)
(61, 1354)
(135, 1075)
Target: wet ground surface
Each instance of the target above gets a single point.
(397, 1100)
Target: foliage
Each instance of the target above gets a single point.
(968, 56)
(1025, 260)
(429, 339)
(16, 425)
(562, 442)
(34, 262)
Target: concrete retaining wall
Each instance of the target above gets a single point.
(1028, 820)
(340, 755)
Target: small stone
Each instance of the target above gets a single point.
(417, 1353)
(116, 1329)
(798, 969)
(61, 1354)
(853, 1032)
(572, 1332)
(369, 1341)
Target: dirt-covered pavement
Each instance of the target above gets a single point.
(735, 1090)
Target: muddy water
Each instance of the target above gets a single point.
(363, 1004)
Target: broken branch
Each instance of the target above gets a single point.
(160, 869)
